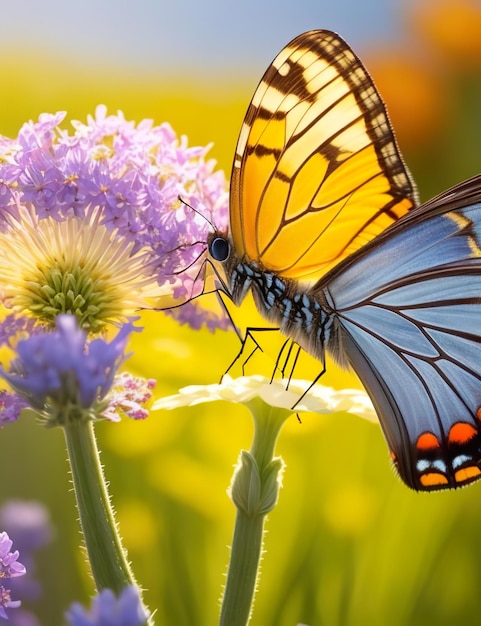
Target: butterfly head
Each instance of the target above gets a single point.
(238, 275)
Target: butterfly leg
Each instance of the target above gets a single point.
(282, 369)
(316, 379)
(277, 367)
(244, 340)
(199, 276)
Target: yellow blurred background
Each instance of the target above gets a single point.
(348, 544)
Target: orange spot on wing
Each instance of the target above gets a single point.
(467, 473)
(433, 479)
(478, 414)
(461, 433)
(427, 441)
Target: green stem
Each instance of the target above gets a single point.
(243, 568)
(254, 491)
(268, 421)
(107, 557)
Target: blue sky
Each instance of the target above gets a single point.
(202, 37)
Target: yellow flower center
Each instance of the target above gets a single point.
(77, 266)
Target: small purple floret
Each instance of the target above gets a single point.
(10, 567)
(108, 610)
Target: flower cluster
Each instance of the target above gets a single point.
(91, 222)
(10, 567)
(60, 375)
(129, 395)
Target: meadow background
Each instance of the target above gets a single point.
(348, 544)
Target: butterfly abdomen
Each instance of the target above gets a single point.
(300, 315)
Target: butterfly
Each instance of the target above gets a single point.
(327, 233)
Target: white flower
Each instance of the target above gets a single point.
(278, 393)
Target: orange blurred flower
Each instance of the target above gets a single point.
(451, 28)
(415, 96)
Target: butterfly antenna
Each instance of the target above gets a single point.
(211, 224)
(194, 243)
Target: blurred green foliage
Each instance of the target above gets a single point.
(348, 544)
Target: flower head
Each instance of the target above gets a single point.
(283, 394)
(76, 266)
(59, 374)
(108, 610)
(91, 223)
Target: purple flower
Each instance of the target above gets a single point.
(115, 186)
(10, 567)
(11, 405)
(6, 602)
(57, 372)
(28, 522)
(108, 610)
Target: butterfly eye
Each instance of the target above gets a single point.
(219, 249)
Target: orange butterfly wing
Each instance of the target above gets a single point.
(317, 171)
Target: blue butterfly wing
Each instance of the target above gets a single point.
(406, 315)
